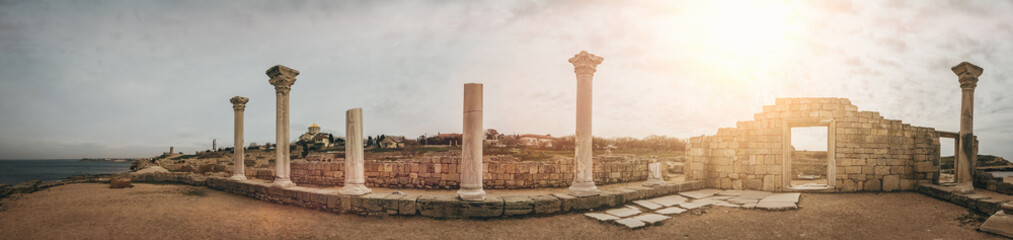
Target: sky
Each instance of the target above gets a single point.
(130, 78)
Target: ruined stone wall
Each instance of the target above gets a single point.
(442, 171)
(871, 153)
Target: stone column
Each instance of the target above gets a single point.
(584, 65)
(239, 168)
(967, 74)
(471, 146)
(282, 78)
(355, 176)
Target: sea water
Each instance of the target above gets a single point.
(16, 171)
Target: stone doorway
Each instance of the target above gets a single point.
(808, 154)
(947, 159)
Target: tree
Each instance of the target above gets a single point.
(369, 141)
(491, 134)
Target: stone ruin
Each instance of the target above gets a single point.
(865, 152)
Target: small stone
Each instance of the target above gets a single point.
(120, 182)
(651, 218)
(671, 210)
(647, 204)
(623, 212)
(601, 217)
(631, 223)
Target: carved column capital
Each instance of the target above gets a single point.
(968, 74)
(585, 63)
(239, 103)
(282, 78)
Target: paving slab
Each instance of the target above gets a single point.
(631, 223)
(718, 197)
(740, 200)
(730, 193)
(651, 218)
(648, 204)
(776, 205)
(693, 205)
(725, 204)
(754, 194)
(783, 197)
(601, 217)
(702, 193)
(669, 201)
(999, 223)
(670, 210)
(623, 212)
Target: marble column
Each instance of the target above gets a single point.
(584, 65)
(282, 78)
(967, 74)
(471, 146)
(239, 167)
(355, 172)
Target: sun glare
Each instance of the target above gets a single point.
(733, 41)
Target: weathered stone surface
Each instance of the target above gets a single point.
(601, 217)
(631, 223)
(565, 201)
(518, 205)
(648, 204)
(651, 218)
(891, 183)
(698, 194)
(372, 204)
(783, 197)
(740, 200)
(392, 203)
(439, 206)
(776, 205)
(1000, 224)
(26, 186)
(491, 207)
(590, 202)
(1007, 207)
(120, 182)
(725, 204)
(694, 205)
(407, 205)
(623, 211)
(669, 201)
(730, 193)
(5, 189)
(546, 204)
(670, 210)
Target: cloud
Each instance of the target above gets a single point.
(114, 78)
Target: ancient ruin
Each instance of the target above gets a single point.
(355, 177)
(282, 78)
(584, 65)
(239, 167)
(471, 145)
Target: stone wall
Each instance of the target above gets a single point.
(870, 153)
(442, 171)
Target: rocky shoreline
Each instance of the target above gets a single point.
(31, 186)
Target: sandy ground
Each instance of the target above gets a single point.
(93, 211)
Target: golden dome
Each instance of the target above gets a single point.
(314, 125)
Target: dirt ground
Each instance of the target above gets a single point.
(146, 211)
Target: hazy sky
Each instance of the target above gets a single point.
(130, 78)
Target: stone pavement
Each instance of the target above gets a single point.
(655, 211)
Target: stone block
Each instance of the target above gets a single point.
(873, 185)
(590, 203)
(491, 207)
(546, 204)
(623, 211)
(990, 205)
(439, 206)
(332, 202)
(891, 183)
(601, 217)
(1000, 224)
(651, 218)
(631, 223)
(518, 205)
(407, 205)
(565, 201)
(391, 203)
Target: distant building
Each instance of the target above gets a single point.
(392, 142)
(315, 137)
(534, 140)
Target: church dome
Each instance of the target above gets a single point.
(314, 125)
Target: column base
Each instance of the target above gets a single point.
(354, 189)
(238, 177)
(476, 194)
(283, 183)
(583, 189)
(964, 188)
(654, 182)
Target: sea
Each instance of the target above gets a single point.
(15, 171)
